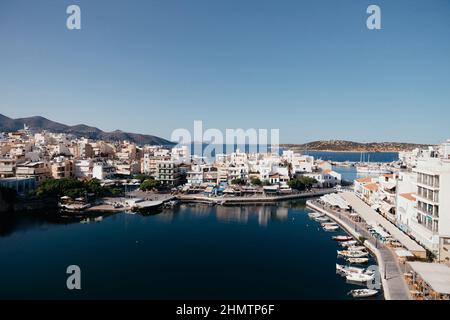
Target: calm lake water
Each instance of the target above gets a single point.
(246, 252)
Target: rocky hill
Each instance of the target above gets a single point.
(343, 145)
(40, 123)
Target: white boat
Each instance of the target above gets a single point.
(357, 260)
(347, 269)
(343, 238)
(352, 254)
(363, 293)
(328, 224)
(314, 215)
(349, 243)
(331, 228)
(359, 277)
(322, 219)
(356, 248)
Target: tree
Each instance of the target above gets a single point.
(256, 181)
(94, 186)
(142, 177)
(70, 187)
(149, 184)
(302, 183)
(238, 181)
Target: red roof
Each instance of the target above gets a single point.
(409, 196)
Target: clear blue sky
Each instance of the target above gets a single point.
(310, 68)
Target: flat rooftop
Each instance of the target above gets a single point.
(436, 275)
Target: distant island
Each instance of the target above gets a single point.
(351, 146)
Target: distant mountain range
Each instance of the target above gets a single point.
(343, 145)
(81, 130)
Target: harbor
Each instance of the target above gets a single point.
(291, 256)
(394, 285)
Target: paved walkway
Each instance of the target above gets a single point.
(368, 214)
(394, 285)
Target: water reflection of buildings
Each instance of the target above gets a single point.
(243, 214)
(198, 210)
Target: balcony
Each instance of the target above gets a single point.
(424, 199)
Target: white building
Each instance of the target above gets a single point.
(83, 168)
(431, 225)
(103, 171)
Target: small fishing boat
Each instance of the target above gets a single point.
(322, 219)
(342, 238)
(363, 293)
(347, 269)
(359, 277)
(331, 228)
(357, 260)
(314, 215)
(328, 224)
(348, 243)
(352, 254)
(356, 248)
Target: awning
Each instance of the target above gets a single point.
(386, 207)
(390, 185)
(403, 253)
(436, 275)
(209, 189)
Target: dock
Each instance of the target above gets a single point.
(394, 285)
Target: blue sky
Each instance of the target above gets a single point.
(310, 68)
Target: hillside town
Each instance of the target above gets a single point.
(401, 207)
(28, 159)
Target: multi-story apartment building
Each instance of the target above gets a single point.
(62, 167)
(40, 170)
(150, 163)
(168, 172)
(103, 171)
(83, 168)
(7, 167)
(431, 225)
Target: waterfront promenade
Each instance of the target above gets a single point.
(230, 200)
(394, 285)
(370, 215)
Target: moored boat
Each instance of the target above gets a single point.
(342, 238)
(322, 219)
(356, 248)
(314, 215)
(328, 224)
(359, 277)
(352, 254)
(348, 269)
(348, 243)
(357, 260)
(331, 228)
(363, 293)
